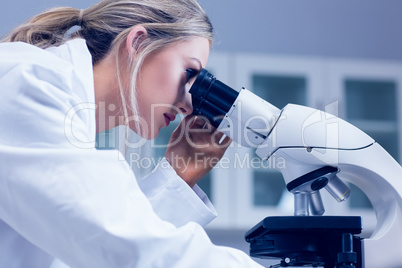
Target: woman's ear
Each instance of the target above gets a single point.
(136, 35)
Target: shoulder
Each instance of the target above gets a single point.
(67, 67)
(18, 53)
(46, 84)
(25, 65)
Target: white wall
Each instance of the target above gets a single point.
(342, 28)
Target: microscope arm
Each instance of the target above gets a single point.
(317, 133)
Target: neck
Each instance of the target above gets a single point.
(107, 94)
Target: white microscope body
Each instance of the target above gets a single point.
(308, 140)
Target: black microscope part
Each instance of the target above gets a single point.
(211, 98)
(308, 240)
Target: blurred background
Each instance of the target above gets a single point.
(344, 57)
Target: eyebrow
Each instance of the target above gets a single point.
(198, 61)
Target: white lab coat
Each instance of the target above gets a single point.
(63, 201)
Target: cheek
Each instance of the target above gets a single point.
(157, 91)
(166, 75)
(159, 85)
(166, 85)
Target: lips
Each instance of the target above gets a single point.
(169, 118)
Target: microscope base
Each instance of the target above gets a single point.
(305, 240)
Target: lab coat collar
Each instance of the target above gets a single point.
(75, 51)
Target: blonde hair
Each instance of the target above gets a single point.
(106, 25)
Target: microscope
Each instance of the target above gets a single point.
(321, 151)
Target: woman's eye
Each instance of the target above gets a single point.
(190, 74)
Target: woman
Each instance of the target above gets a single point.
(78, 72)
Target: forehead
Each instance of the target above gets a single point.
(192, 48)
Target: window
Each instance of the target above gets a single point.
(279, 90)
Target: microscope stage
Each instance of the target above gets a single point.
(303, 240)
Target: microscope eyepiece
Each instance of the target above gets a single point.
(211, 98)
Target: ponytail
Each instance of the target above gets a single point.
(46, 29)
(106, 23)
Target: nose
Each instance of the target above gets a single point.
(185, 104)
